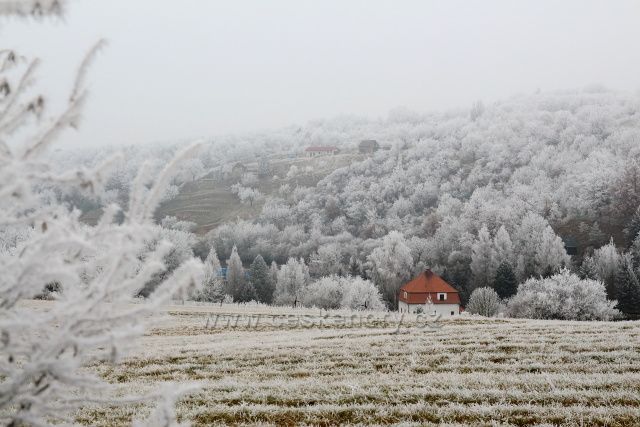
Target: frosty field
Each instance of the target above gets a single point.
(467, 371)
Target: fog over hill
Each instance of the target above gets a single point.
(293, 247)
(444, 182)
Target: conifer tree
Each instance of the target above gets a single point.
(213, 287)
(633, 229)
(237, 285)
(260, 279)
(505, 283)
(628, 288)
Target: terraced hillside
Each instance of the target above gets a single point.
(209, 202)
(465, 372)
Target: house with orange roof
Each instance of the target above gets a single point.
(430, 294)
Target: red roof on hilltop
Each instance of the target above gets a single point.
(428, 284)
(329, 148)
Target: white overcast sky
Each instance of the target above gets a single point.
(190, 68)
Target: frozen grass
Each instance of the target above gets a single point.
(470, 371)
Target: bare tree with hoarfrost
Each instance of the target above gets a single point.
(361, 294)
(293, 278)
(562, 296)
(350, 293)
(246, 194)
(325, 293)
(326, 261)
(391, 265)
(482, 258)
(484, 301)
(551, 255)
(503, 247)
(604, 265)
(44, 354)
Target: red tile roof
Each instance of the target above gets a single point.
(428, 284)
(330, 148)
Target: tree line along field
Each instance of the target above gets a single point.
(470, 371)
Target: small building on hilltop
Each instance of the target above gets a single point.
(430, 294)
(316, 151)
(238, 170)
(368, 146)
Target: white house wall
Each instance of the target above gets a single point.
(444, 310)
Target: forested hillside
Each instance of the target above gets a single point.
(462, 192)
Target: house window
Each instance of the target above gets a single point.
(452, 313)
(442, 296)
(405, 294)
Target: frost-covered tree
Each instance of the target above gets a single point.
(503, 247)
(551, 255)
(604, 265)
(171, 222)
(261, 280)
(293, 277)
(505, 282)
(391, 266)
(360, 294)
(476, 110)
(273, 272)
(44, 354)
(562, 296)
(482, 257)
(181, 244)
(352, 293)
(484, 301)
(634, 250)
(626, 190)
(325, 293)
(528, 239)
(238, 286)
(628, 288)
(35, 8)
(213, 286)
(633, 227)
(246, 194)
(596, 235)
(326, 261)
(190, 171)
(211, 264)
(293, 172)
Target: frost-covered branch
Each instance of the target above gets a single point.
(93, 273)
(35, 8)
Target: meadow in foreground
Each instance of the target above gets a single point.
(468, 371)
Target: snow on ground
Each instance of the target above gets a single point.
(466, 371)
